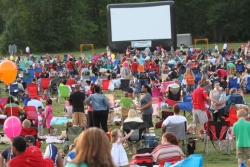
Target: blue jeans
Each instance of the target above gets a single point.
(71, 72)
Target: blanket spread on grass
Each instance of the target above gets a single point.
(60, 120)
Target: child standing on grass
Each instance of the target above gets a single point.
(49, 116)
(40, 119)
(118, 153)
(242, 134)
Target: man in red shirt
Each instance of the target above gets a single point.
(134, 68)
(221, 73)
(199, 109)
(27, 157)
(70, 68)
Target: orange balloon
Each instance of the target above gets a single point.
(8, 72)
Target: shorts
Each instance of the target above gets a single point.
(199, 117)
(79, 119)
(243, 151)
(147, 119)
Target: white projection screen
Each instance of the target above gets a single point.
(141, 23)
(151, 21)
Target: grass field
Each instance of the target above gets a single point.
(214, 159)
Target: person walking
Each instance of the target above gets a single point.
(199, 99)
(76, 99)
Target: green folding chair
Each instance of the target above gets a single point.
(63, 92)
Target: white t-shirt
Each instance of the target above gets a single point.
(212, 60)
(174, 119)
(225, 46)
(27, 49)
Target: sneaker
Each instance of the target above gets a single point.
(55, 130)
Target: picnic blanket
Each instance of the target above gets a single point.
(60, 120)
(53, 140)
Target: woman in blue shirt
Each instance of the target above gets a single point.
(100, 106)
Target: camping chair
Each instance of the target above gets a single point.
(32, 132)
(93, 79)
(70, 82)
(234, 100)
(174, 93)
(232, 116)
(186, 107)
(45, 84)
(27, 80)
(31, 112)
(165, 114)
(54, 85)
(12, 111)
(197, 79)
(32, 90)
(239, 68)
(136, 137)
(187, 98)
(216, 133)
(63, 92)
(14, 91)
(179, 130)
(72, 133)
(165, 86)
(31, 72)
(38, 71)
(105, 85)
(233, 83)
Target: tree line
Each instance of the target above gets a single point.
(60, 25)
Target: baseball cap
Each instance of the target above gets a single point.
(30, 139)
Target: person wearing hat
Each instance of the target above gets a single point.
(20, 85)
(8, 154)
(76, 99)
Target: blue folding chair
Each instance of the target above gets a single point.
(233, 83)
(27, 80)
(195, 70)
(14, 91)
(187, 98)
(197, 79)
(65, 57)
(31, 72)
(93, 78)
(240, 68)
(38, 69)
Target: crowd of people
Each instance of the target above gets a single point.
(214, 78)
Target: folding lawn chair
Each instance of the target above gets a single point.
(134, 141)
(12, 111)
(70, 82)
(31, 113)
(233, 83)
(32, 90)
(179, 130)
(14, 91)
(63, 92)
(105, 85)
(45, 84)
(72, 133)
(32, 132)
(186, 107)
(27, 80)
(31, 72)
(216, 133)
(93, 79)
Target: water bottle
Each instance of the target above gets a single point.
(242, 164)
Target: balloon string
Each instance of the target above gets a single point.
(11, 115)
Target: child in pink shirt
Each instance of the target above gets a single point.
(49, 116)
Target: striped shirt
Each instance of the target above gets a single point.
(167, 153)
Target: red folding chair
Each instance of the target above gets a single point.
(32, 90)
(58, 57)
(45, 83)
(12, 111)
(105, 84)
(32, 132)
(30, 112)
(70, 82)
